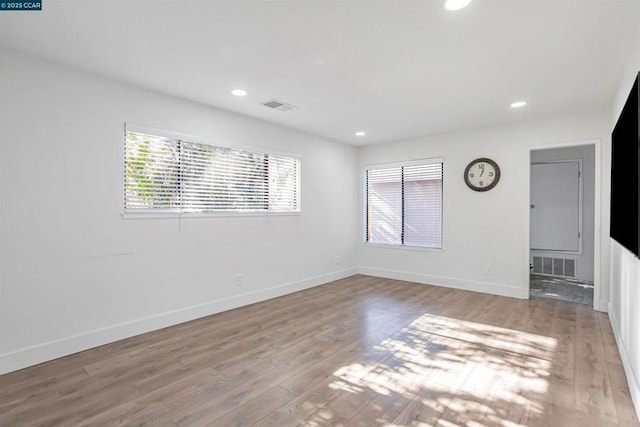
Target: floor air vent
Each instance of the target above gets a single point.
(554, 266)
(276, 104)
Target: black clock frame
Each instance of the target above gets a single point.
(483, 160)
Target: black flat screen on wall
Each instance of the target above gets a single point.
(625, 175)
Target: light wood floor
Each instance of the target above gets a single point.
(361, 351)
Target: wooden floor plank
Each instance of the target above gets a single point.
(255, 409)
(361, 351)
(592, 385)
(609, 340)
(621, 396)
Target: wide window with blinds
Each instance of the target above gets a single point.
(164, 174)
(404, 204)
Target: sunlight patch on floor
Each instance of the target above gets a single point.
(457, 369)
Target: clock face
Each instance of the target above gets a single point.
(482, 174)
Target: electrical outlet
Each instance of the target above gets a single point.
(239, 280)
(487, 269)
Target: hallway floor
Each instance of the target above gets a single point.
(561, 288)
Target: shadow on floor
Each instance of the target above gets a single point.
(561, 288)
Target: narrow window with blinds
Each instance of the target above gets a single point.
(404, 204)
(171, 175)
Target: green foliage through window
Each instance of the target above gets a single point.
(172, 175)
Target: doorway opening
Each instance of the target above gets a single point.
(562, 220)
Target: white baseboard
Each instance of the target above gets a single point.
(602, 306)
(30, 356)
(629, 370)
(448, 282)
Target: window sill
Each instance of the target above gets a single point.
(401, 247)
(199, 215)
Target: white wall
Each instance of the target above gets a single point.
(624, 309)
(74, 274)
(584, 260)
(481, 229)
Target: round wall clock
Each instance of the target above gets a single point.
(482, 174)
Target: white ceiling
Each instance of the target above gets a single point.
(395, 69)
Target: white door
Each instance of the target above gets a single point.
(555, 206)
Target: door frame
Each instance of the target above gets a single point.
(597, 220)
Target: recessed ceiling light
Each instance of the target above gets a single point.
(239, 92)
(456, 4)
(518, 104)
(360, 133)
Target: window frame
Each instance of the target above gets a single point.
(196, 139)
(365, 204)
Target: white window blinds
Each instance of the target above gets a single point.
(404, 205)
(171, 175)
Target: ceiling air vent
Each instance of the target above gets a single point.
(279, 105)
